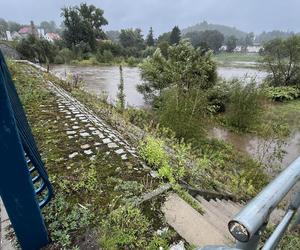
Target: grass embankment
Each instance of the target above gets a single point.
(93, 203)
(239, 60)
(209, 164)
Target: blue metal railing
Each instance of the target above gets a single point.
(24, 184)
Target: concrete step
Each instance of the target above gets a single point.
(211, 228)
(211, 209)
(211, 216)
(190, 225)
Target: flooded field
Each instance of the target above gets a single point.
(264, 150)
(102, 79)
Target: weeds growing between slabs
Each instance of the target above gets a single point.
(90, 195)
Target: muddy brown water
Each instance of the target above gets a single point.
(261, 149)
(105, 79)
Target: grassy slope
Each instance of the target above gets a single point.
(87, 191)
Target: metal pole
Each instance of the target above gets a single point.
(276, 236)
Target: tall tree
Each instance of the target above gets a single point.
(13, 26)
(150, 38)
(175, 35)
(131, 38)
(3, 27)
(83, 24)
(281, 58)
(231, 43)
(48, 26)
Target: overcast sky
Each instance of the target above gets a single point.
(162, 15)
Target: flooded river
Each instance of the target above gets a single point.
(264, 150)
(106, 79)
(99, 80)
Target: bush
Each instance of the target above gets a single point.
(58, 59)
(281, 58)
(282, 93)
(218, 97)
(132, 61)
(32, 48)
(107, 45)
(66, 54)
(152, 151)
(104, 57)
(245, 105)
(184, 113)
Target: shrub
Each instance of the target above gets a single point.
(218, 97)
(152, 151)
(59, 59)
(63, 218)
(245, 105)
(282, 93)
(132, 61)
(281, 58)
(184, 113)
(66, 54)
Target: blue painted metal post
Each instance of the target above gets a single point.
(16, 188)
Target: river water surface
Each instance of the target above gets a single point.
(99, 79)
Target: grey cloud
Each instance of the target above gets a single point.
(162, 15)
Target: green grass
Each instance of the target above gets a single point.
(86, 191)
(234, 57)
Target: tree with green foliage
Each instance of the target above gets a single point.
(150, 38)
(32, 49)
(176, 86)
(281, 58)
(48, 26)
(13, 26)
(164, 47)
(231, 43)
(165, 37)
(83, 24)
(175, 35)
(3, 27)
(213, 39)
(131, 38)
(208, 39)
(133, 42)
(185, 67)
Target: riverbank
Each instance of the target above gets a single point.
(215, 166)
(95, 173)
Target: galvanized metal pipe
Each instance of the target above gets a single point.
(249, 221)
(272, 242)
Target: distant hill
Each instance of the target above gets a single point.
(225, 30)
